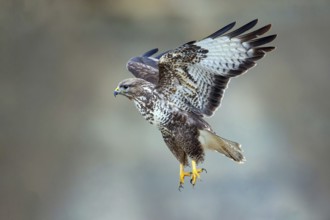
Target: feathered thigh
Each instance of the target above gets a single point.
(181, 136)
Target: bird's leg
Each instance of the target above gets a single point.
(183, 174)
(195, 173)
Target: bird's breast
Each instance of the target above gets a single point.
(156, 112)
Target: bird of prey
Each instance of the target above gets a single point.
(176, 89)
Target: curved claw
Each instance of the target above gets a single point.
(183, 174)
(194, 178)
(195, 174)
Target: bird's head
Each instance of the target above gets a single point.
(131, 88)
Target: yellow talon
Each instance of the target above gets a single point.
(183, 174)
(195, 174)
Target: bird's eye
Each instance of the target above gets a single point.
(125, 86)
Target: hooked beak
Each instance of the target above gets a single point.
(117, 91)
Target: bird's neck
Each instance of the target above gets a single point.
(144, 97)
(145, 102)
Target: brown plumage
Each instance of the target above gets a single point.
(175, 89)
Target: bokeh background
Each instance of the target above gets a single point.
(70, 150)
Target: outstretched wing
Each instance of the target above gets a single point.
(195, 75)
(145, 66)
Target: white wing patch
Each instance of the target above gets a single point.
(224, 54)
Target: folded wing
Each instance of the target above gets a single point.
(145, 66)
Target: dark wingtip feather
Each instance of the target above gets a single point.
(242, 29)
(221, 31)
(256, 57)
(266, 49)
(150, 52)
(262, 41)
(161, 54)
(190, 42)
(260, 52)
(256, 33)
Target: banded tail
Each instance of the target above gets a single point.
(229, 148)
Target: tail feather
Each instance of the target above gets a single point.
(229, 148)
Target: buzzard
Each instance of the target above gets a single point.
(176, 89)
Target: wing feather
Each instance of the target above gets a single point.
(150, 52)
(195, 76)
(242, 29)
(145, 66)
(254, 34)
(221, 31)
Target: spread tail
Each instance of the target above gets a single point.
(229, 148)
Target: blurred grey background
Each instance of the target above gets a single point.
(70, 150)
